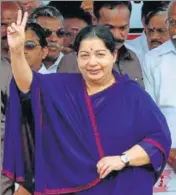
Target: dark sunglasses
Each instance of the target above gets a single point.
(30, 45)
(60, 32)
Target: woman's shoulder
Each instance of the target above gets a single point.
(59, 79)
(58, 76)
(133, 91)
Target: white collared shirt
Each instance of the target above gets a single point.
(160, 79)
(53, 68)
(43, 69)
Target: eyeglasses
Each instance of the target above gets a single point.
(60, 32)
(30, 45)
(171, 22)
(160, 31)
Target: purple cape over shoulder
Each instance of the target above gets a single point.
(73, 131)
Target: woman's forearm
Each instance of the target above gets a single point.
(137, 156)
(16, 39)
(21, 70)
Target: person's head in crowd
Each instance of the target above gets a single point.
(116, 16)
(29, 6)
(171, 21)
(9, 11)
(155, 25)
(74, 21)
(87, 6)
(35, 47)
(63, 6)
(147, 7)
(96, 53)
(52, 21)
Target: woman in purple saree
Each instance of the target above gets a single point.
(96, 133)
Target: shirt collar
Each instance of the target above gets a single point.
(43, 69)
(166, 48)
(56, 63)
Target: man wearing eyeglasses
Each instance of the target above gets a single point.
(51, 20)
(153, 16)
(159, 79)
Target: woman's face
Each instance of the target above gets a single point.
(95, 61)
(33, 51)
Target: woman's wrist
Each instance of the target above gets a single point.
(125, 159)
(16, 51)
(137, 156)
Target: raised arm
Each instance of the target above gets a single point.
(16, 39)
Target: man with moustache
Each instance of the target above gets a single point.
(116, 16)
(52, 21)
(156, 28)
(153, 16)
(159, 80)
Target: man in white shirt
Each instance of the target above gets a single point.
(52, 21)
(155, 33)
(159, 80)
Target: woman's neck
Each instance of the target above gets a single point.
(95, 87)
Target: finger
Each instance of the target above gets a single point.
(103, 169)
(25, 18)
(107, 171)
(100, 167)
(100, 162)
(19, 17)
(10, 30)
(14, 27)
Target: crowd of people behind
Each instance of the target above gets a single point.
(49, 47)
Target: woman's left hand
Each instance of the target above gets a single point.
(108, 164)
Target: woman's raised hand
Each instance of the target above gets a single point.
(16, 32)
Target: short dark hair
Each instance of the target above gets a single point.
(98, 5)
(149, 6)
(80, 14)
(72, 9)
(160, 8)
(49, 11)
(39, 31)
(67, 6)
(93, 31)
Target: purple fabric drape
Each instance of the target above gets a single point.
(73, 131)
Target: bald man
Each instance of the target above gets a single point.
(29, 6)
(9, 12)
